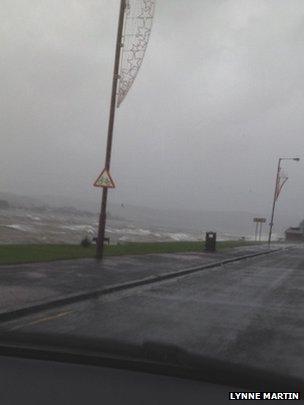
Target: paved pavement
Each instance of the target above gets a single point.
(239, 324)
(33, 284)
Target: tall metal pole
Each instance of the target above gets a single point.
(256, 231)
(274, 202)
(103, 210)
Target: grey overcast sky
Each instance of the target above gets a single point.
(218, 99)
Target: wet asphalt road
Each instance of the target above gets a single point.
(246, 318)
(31, 284)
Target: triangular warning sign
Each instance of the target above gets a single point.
(104, 180)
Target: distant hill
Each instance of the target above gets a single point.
(10, 200)
(4, 205)
(15, 200)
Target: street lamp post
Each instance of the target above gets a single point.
(275, 196)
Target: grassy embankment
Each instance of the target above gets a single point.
(10, 254)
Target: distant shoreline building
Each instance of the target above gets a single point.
(295, 233)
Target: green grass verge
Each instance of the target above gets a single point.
(12, 254)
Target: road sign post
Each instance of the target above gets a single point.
(258, 228)
(105, 174)
(134, 27)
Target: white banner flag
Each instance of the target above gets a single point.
(282, 178)
(137, 28)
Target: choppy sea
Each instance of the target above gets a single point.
(48, 226)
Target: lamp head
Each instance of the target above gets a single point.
(296, 159)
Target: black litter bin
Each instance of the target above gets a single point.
(210, 244)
